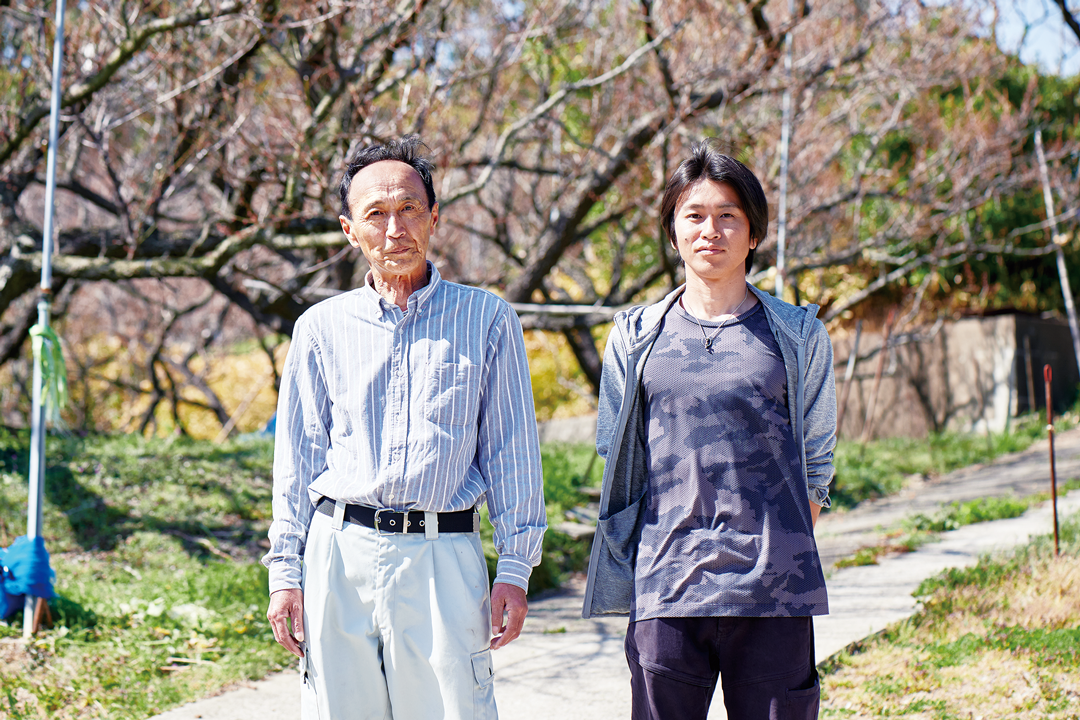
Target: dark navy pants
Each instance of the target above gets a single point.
(765, 667)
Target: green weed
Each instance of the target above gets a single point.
(955, 515)
(921, 528)
(957, 652)
(993, 572)
(141, 629)
(999, 639)
(568, 467)
(862, 556)
(1059, 646)
(879, 468)
(155, 546)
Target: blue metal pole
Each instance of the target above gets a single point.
(34, 512)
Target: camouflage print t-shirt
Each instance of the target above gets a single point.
(722, 532)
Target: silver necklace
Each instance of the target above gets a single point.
(706, 339)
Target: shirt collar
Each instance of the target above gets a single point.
(416, 301)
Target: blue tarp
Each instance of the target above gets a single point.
(26, 571)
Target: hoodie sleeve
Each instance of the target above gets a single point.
(612, 385)
(819, 414)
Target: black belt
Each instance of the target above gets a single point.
(391, 521)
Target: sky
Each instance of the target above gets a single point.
(1035, 28)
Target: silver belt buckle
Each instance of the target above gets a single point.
(378, 527)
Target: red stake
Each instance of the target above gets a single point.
(1047, 376)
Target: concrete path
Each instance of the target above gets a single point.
(566, 667)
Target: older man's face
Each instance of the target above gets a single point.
(391, 222)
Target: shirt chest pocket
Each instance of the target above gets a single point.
(453, 394)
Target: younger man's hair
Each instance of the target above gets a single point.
(706, 162)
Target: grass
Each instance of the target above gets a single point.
(162, 599)
(155, 546)
(955, 515)
(920, 529)
(879, 468)
(1000, 639)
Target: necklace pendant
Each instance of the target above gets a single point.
(707, 342)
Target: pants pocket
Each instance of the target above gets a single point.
(802, 703)
(482, 668)
(484, 689)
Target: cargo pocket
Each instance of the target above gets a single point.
(802, 704)
(484, 689)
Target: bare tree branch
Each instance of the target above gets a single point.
(83, 91)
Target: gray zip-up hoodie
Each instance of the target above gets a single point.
(620, 432)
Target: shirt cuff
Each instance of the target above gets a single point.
(284, 574)
(513, 571)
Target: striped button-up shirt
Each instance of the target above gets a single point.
(427, 409)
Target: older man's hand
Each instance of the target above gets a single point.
(286, 616)
(508, 610)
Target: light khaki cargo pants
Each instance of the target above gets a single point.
(397, 626)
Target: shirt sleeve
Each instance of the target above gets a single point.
(508, 453)
(819, 415)
(301, 439)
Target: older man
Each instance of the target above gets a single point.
(718, 420)
(403, 405)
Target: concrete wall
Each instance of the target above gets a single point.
(970, 375)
